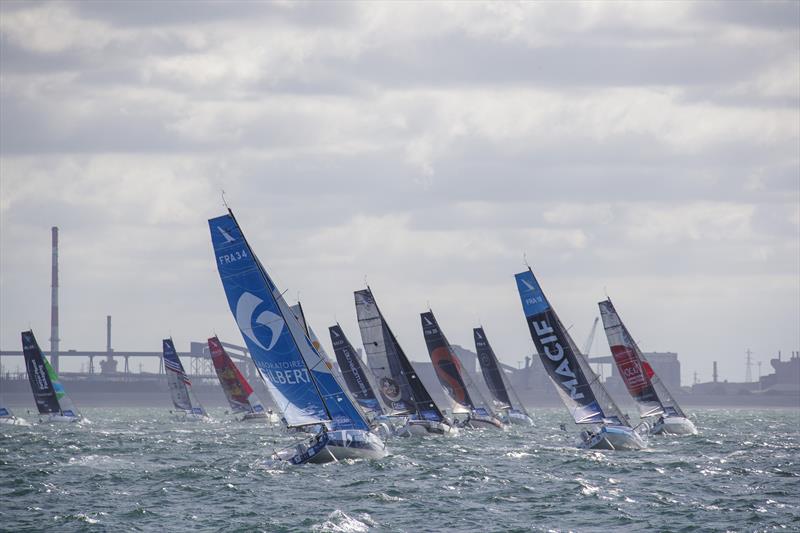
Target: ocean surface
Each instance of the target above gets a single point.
(136, 469)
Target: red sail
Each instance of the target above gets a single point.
(630, 369)
(235, 386)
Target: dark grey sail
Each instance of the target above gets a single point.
(490, 369)
(355, 376)
(42, 386)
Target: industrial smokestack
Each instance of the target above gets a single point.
(108, 334)
(54, 303)
(715, 372)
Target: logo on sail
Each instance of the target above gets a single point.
(245, 309)
(225, 234)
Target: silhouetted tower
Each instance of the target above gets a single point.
(748, 375)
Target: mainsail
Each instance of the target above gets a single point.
(241, 396)
(490, 368)
(180, 386)
(298, 380)
(446, 364)
(398, 383)
(48, 392)
(643, 384)
(355, 377)
(577, 385)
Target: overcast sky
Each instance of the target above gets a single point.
(646, 150)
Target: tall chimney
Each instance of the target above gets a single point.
(715, 372)
(54, 303)
(108, 334)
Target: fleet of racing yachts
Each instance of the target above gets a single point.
(344, 409)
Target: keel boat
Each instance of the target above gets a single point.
(241, 396)
(452, 376)
(515, 413)
(400, 388)
(187, 406)
(359, 382)
(300, 383)
(51, 399)
(576, 383)
(7, 418)
(656, 405)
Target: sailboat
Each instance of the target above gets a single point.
(643, 384)
(241, 396)
(180, 386)
(451, 375)
(48, 392)
(576, 383)
(355, 376)
(398, 384)
(493, 375)
(300, 383)
(7, 418)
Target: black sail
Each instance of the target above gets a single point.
(355, 376)
(43, 391)
(490, 368)
(446, 364)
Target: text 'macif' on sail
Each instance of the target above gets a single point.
(276, 340)
(563, 362)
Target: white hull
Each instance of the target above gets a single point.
(426, 427)
(674, 425)
(520, 419)
(340, 445)
(261, 417)
(192, 417)
(484, 422)
(60, 419)
(613, 438)
(13, 421)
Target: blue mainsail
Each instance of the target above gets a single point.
(300, 383)
(574, 381)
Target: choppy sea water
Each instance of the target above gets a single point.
(135, 469)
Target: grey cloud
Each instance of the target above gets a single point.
(776, 14)
(125, 13)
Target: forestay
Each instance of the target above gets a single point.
(240, 394)
(577, 385)
(643, 384)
